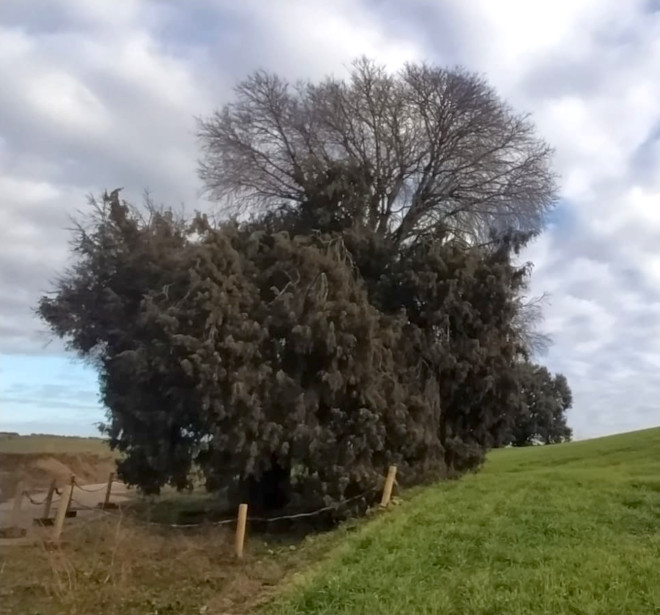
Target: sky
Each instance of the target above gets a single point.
(100, 95)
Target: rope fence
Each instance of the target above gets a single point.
(88, 490)
(37, 502)
(302, 515)
(65, 498)
(314, 512)
(34, 502)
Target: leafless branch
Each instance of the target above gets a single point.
(437, 149)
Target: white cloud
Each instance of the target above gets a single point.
(64, 100)
(302, 39)
(98, 95)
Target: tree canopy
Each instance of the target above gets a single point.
(369, 311)
(426, 150)
(545, 399)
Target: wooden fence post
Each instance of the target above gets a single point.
(240, 529)
(111, 478)
(49, 498)
(70, 498)
(389, 484)
(18, 502)
(65, 501)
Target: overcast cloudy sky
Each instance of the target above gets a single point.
(102, 94)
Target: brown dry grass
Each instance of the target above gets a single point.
(116, 564)
(43, 444)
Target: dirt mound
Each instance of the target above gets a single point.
(36, 470)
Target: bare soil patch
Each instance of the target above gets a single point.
(35, 471)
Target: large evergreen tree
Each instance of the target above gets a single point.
(545, 400)
(369, 312)
(248, 353)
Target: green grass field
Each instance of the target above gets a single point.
(570, 528)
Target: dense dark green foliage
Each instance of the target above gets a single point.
(545, 399)
(370, 316)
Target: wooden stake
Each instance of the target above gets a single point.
(389, 484)
(111, 477)
(62, 510)
(49, 499)
(70, 498)
(240, 529)
(18, 502)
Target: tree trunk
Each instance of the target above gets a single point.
(271, 491)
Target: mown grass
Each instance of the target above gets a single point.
(572, 528)
(564, 529)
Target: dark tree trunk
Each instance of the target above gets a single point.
(271, 491)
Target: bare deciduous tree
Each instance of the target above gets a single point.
(436, 150)
(527, 324)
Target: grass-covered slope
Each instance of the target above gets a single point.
(570, 528)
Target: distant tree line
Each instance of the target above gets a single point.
(357, 304)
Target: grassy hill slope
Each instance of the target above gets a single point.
(570, 528)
